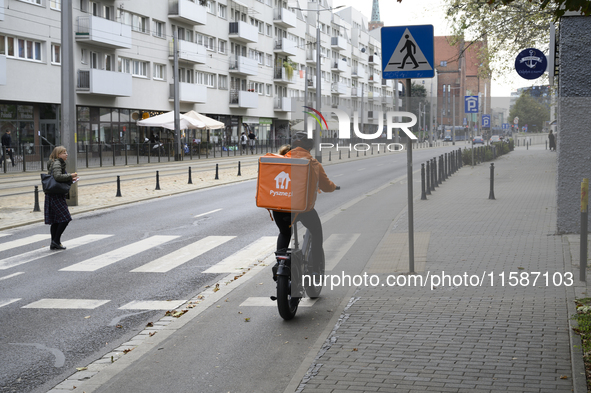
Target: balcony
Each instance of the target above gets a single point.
(244, 99)
(374, 78)
(374, 95)
(282, 104)
(312, 83)
(358, 73)
(108, 83)
(374, 60)
(311, 56)
(188, 51)
(244, 66)
(339, 66)
(280, 76)
(103, 32)
(187, 11)
(362, 56)
(284, 18)
(189, 92)
(338, 88)
(2, 69)
(354, 92)
(338, 43)
(243, 32)
(285, 47)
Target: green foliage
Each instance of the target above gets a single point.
(583, 328)
(485, 152)
(557, 7)
(531, 112)
(289, 67)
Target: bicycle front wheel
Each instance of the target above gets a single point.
(315, 271)
(287, 305)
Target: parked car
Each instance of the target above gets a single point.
(495, 138)
(478, 139)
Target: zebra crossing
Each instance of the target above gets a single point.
(336, 246)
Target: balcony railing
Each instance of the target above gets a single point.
(244, 65)
(284, 18)
(189, 92)
(285, 47)
(244, 99)
(280, 75)
(188, 51)
(103, 82)
(242, 31)
(187, 11)
(282, 104)
(103, 32)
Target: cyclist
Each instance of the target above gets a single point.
(300, 148)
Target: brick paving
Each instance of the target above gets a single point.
(458, 338)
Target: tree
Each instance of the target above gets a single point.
(531, 112)
(418, 95)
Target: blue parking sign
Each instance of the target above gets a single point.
(471, 104)
(486, 121)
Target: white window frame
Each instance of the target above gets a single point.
(139, 68)
(159, 72)
(222, 11)
(139, 23)
(32, 50)
(125, 65)
(223, 82)
(53, 54)
(55, 5)
(158, 29)
(36, 2)
(210, 7)
(222, 46)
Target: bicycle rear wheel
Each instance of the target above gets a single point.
(286, 304)
(315, 269)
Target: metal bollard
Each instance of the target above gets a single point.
(118, 187)
(216, 172)
(190, 180)
(584, 230)
(349, 154)
(239, 174)
(329, 156)
(546, 145)
(428, 178)
(36, 208)
(491, 194)
(157, 180)
(339, 154)
(526, 145)
(423, 193)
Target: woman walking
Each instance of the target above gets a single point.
(56, 209)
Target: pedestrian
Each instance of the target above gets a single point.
(243, 140)
(6, 145)
(252, 137)
(552, 140)
(56, 209)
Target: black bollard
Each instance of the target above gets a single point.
(216, 172)
(357, 153)
(526, 145)
(118, 187)
(190, 180)
(36, 208)
(491, 194)
(423, 193)
(428, 177)
(329, 156)
(339, 154)
(239, 174)
(546, 145)
(157, 180)
(349, 154)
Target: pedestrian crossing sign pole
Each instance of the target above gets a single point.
(408, 52)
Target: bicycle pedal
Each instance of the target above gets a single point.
(273, 298)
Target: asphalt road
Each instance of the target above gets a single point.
(42, 343)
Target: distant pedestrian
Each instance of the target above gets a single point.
(243, 141)
(56, 209)
(552, 141)
(251, 137)
(6, 145)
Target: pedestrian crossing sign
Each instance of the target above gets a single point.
(408, 52)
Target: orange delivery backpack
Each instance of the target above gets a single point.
(286, 184)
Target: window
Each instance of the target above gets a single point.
(222, 46)
(33, 1)
(55, 4)
(25, 49)
(158, 29)
(159, 70)
(269, 30)
(223, 82)
(139, 23)
(269, 62)
(125, 65)
(140, 68)
(222, 11)
(209, 43)
(56, 53)
(269, 89)
(211, 7)
(443, 63)
(108, 63)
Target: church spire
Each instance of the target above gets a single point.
(375, 16)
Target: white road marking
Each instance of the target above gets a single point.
(111, 257)
(24, 241)
(185, 254)
(5, 302)
(153, 305)
(336, 246)
(267, 302)
(4, 234)
(246, 256)
(87, 304)
(204, 214)
(44, 252)
(11, 275)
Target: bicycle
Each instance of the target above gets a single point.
(293, 264)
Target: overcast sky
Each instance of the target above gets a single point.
(427, 12)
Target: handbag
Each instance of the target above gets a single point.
(51, 186)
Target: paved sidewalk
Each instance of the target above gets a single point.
(457, 337)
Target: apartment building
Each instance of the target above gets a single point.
(240, 62)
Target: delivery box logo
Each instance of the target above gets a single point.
(282, 180)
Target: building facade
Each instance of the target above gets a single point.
(240, 62)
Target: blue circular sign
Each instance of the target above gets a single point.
(531, 63)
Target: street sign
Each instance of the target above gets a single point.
(531, 63)
(506, 126)
(408, 52)
(471, 104)
(486, 121)
(465, 121)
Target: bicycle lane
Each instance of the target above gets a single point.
(239, 343)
